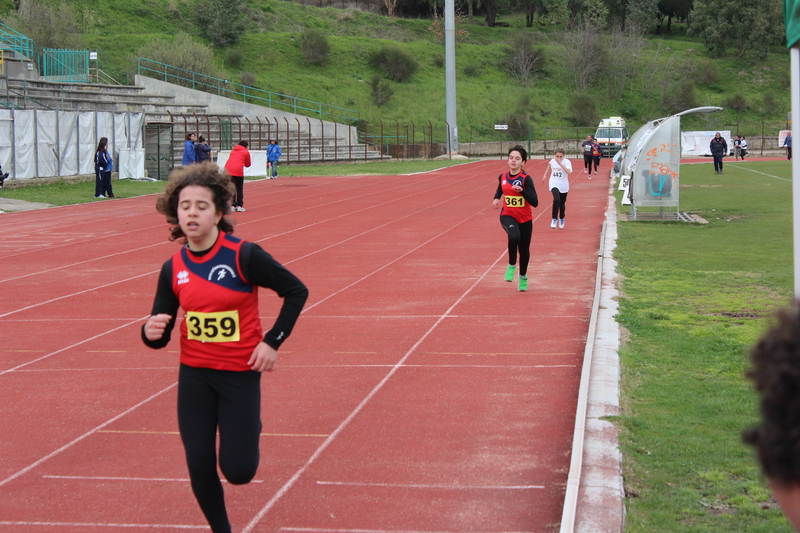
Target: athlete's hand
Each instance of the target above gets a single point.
(496, 203)
(154, 328)
(516, 188)
(264, 358)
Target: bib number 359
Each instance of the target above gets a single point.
(213, 327)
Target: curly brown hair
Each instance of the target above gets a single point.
(206, 175)
(775, 373)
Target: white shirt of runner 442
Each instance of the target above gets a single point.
(558, 178)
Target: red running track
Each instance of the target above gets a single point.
(420, 392)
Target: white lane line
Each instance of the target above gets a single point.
(288, 485)
(111, 478)
(424, 486)
(84, 341)
(84, 436)
(334, 530)
(93, 289)
(74, 525)
(762, 173)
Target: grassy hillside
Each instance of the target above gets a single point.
(487, 96)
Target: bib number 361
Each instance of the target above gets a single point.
(515, 201)
(213, 327)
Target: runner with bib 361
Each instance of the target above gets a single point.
(517, 195)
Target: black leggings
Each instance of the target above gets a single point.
(208, 399)
(587, 161)
(519, 237)
(238, 181)
(559, 203)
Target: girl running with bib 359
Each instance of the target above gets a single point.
(215, 280)
(517, 195)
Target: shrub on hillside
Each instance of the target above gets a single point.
(315, 47)
(584, 110)
(704, 72)
(438, 60)
(679, 96)
(737, 102)
(523, 61)
(472, 71)
(234, 58)
(248, 79)
(393, 61)
(49, 25)
(382, 90)
(771, 104)
(220, 21)
(182, 52)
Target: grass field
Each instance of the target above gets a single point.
(695, 298)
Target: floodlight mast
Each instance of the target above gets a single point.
(450, 75)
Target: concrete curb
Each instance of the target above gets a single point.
(601, 496)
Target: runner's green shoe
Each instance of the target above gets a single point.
(523, 283)
(510, 272)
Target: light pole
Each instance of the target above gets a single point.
(450, 74)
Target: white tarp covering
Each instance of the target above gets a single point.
(37, 144)
(130, 164)
(655, 171)
(697, 143)
(258, 162)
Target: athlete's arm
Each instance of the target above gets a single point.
(529, 192)
(262, 270)
(498, 193)
(165, 307)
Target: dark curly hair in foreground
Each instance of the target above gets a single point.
(206, 175)
(776, 375)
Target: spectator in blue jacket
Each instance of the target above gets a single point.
(203, 150)
(102, 170)
(189, 153)
(273, 154)
(788, 144)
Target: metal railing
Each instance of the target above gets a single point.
(65, 65)
(244, 93)
(11, 39)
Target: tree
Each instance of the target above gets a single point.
(642, 14)
(493, 7)
(221, 21)
(675, 9)
(597, 13)
(582, 55)
(48, 25)
(749, 28)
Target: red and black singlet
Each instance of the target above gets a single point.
(221, 326)
(514, 204)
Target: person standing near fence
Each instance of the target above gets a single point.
(519, 196)
(273, 155)
(743, 151)
(737, 147)
(559, 168)
(214, 278)
(787, 142)
(235, 165)
(103, 165)
(203, 150)
(719, 148)
(189, 152)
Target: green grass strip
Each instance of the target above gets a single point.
(695, 297)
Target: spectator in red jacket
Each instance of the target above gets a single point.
(237, 162)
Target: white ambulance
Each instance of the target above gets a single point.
(612, 135)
